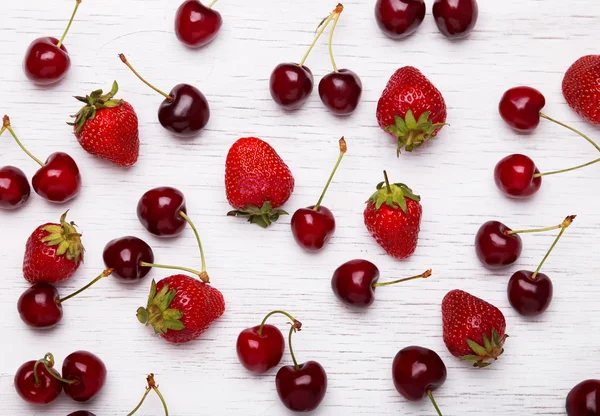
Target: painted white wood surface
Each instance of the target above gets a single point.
(516, 42)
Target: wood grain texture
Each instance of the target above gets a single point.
(516, 42)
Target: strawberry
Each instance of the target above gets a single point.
(53, 252)
(257, 181)
(180, 308)
(473, 328)
(108, 128)
(581, 87)
(411, 109)
(393, 218)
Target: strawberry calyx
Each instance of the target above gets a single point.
(412, 133)
(157, 313)
(487, 353)
(94, 102)
(66, 237)
(393, 195)
(263, 216)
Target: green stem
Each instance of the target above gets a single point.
(335, 21)
(126, 62)
(535, 230)
(343, 148)
(162, 399)
(262, 324)
(212, 3)
(292, 330)
(572, 129)
(48, 363)
(6, 125)
(537, 175)
(387, 182)
(59, 44)
(323, 26)
(189, 221)
(566, 223)
(423, 275)
(104, 274)
(141, 401)
(434, 403)
(202, 275)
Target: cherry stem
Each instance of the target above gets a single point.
(189, 221)
(212, 3)
(566, 223)
(104, 274)
(572, 129)
(126, 62)
(434, 403)
(343, 149)
(537, 175)
(6, 125)
(202, 275)
(423, 275)
(535, 230)
(335, 21)
(48, 362)
(294, 322)
(387, 182)
(148, 389)
(292, 330)
(322, 27)
(60, 42)
(151, 386)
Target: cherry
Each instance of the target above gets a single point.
(497, 245)
(125, 254)
(584, 399)
(355, 281)
(86, 374)
(517, 176)
(455, 18)
(37, 382)
(81, 413)
(184, 111)
(14, 188)
(151, 387)
(162, 211)
(417, 372)
(196, 24)
(312, 227)
(399, 18)
(58, 180)
(47, 60)
(261, 347)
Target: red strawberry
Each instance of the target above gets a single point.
(180, 308)
(257, 181)
(108, 128)
(473, 328)
(581, 87)
(393, 217)
(411, 109)
(53, 252)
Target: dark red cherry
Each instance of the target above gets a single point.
(515, 176)
(584, 399)
(260, 353)
(38, 306)
(495, 247)
(45, 63)
(340, 91)
(59, 179)
(455, 18)
(81, 413)
(399, 18)
(124, 256)
(14, 188)
(313, 229)
(301, 389)
(88, 373)
(290, 85)
(186, 113)
(353, 282)
(527, 295)
(520, 108)
(196, 24)
(158, 211)
(48, 389)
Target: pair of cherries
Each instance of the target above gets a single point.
(291, 84)
(301, 387)
(401, 18)
(83, 376)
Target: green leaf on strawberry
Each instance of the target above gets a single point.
(157, 312)
(66, 237)
(94, 102)
(413, 133)
(393, 195)
(263, 216)
(490, 351)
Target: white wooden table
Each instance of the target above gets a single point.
(529, 42)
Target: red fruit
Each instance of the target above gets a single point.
(473, 328)
(14, 188)
(257, 181)
(520, 108)
(86, 374)
(180, 308)
(411, 108)
(108, 128)
(584, 399)
(393, 218)
(48, 387)
(196, 24)
(259, 353)
(53, 252)
(581, 87)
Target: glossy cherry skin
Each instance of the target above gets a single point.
(259, 353)
(353, 282)
(81, 413)
(514, 176)
(187, 113)
(584, 399)
(195, 24)
(455, 18)
(340, 91)
(14, 188)
(44, 63)
(124, 256)
(38, 306)
(313, 229)
(520, 108)
(88, 371)
(529, 297)
(496, 249)
(290, 85)
(301, 390)
(417, 371)
(158, 211)
(58, 180)
(46, 392)
(399, 18)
